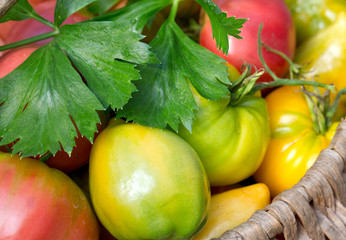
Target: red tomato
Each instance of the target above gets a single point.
(16, 31)
(62, 161)
(278, 32)
(1, 43)
(38, 202)
(13, 58)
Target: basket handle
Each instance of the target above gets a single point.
(5, 5)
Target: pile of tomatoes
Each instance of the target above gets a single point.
(137, 182)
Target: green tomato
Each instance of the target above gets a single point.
(310, 16)
(147, 183)
(230, 140)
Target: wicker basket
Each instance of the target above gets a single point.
(313, 209)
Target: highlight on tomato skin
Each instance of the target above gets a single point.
(278, 33)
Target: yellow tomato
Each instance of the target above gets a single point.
(294, 145)
(233, 207)
(147, 183)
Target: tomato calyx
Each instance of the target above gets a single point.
(244, 84)
(321, 108)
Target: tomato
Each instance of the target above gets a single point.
(2, 42)
(29, 28)
(278, 33)
(13, 58)
(233, 207)
(311, 16)
(38, 202)
(230, 139)
(61, 160)
(295, 145)
(147, 183)
(326, 54)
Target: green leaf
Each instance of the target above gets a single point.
(222, 25)
(141, 11)
(65, 8)
(163, 95)
(39, 98)
(101, 6)
(106, 53)
(22, 10)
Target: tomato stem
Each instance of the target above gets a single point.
(174, 10)
(288, 82)
(29, 40)
(282, 81)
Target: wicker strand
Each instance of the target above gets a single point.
(313, 209)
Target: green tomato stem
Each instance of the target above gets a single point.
(174, 10)
(29, 40)
(289, 82)
(259, 45)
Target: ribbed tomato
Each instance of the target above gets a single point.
(230, 139)
(295, 144)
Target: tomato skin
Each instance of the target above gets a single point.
(13, 58)
(295, 145)
(233, 207)
(147, 183)
(278, 32)
(326, 54)
(38, 202)
(223, 135)
(311, 16)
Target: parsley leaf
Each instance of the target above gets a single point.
(22, 10)
(221, 25)
(141, 11)
(39, 102)
(65, 8)
(101, 6)
(105, 53)
(163, 95)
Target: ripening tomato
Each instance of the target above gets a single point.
(311, 16)
(326, 54)
(278, 33)
(61, 160)
(39, 203)
(230, 139)
(147, 183)
(295, 144)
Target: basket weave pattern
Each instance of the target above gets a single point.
(313, 209)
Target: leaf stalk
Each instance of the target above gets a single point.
(30, 40)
